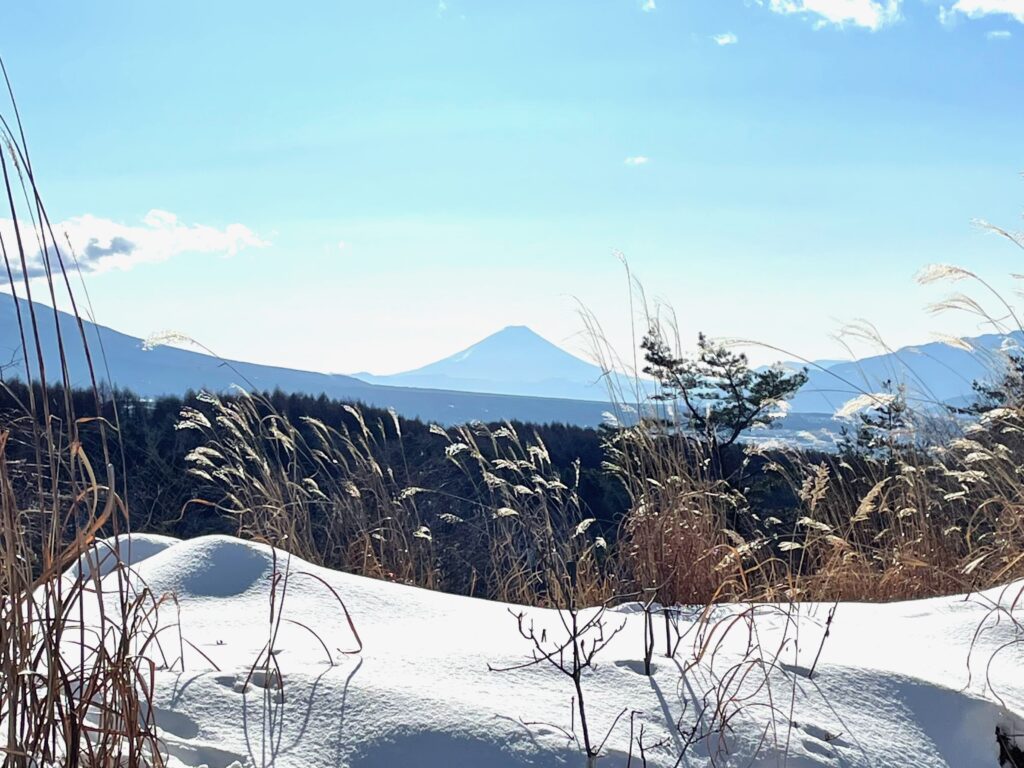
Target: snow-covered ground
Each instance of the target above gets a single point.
(909, 684)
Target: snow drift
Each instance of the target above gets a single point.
(923, 683)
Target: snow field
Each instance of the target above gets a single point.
(907, 684)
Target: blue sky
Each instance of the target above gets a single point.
(347, 186)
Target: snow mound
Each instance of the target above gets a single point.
(208, 567)
(369, 674)
(126, 549)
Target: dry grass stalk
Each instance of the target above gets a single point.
(76, 653)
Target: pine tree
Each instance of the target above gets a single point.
(716, 391)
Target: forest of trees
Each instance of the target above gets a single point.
(160, 492)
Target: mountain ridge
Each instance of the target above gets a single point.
(166, 370)
(513, 373)
(935, 373)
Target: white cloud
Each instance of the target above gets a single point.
(637, 160)
(648, 6)
(726, 38)
(975, 9)
(870, 14)
(999, 34)
(101, 245)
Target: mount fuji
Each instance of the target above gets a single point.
(513, 361)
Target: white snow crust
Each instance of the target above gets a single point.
(921, 684)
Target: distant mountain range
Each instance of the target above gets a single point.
(169, 370)
(934, 374)
(511, 374)
(518, 361)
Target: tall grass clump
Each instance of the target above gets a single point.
(677, 538)
(541, 545)
(507, 525)
(323, 492)
(878, 531)
(910, 510)
(76, 668)
(914, 501)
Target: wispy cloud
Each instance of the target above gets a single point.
(101, 245)
(870, 14)
(637, 160)
(726, 38)
(975, 9)
(648, 6)
(999, 34)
